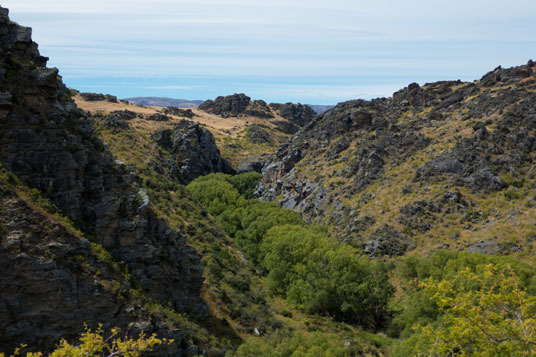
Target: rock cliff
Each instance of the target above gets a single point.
(365, 164)
(50, 144)
(193, 151)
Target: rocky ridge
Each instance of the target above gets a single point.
(236, 105)
(50, 144)
(468, 140)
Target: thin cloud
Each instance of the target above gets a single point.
(351, 46)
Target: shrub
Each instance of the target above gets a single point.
(94, 344)
(320, 275)
(484, 313)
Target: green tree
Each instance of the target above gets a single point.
(318, 274)
(484, 313)
(95, 344)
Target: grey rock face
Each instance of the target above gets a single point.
(193, 151)
(252, 165)
(419, 215)
(359, 141)
(117, 120)
(387, 241)
(493, 247)
(157, 117)
(187, 113)
(258, 134)
(98, 97)
(52, 283)
(236, 105)
(49, 143)
(297, 114)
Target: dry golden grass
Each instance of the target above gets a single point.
(220, 127)
(229, 133)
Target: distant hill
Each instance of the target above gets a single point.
(165, 102)
(319, 109)
(185, 103)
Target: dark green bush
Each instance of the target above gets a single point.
(320, 275)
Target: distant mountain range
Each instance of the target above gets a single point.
(185, 103)
(165, 102)
(320, 108)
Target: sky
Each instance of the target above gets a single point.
(308, 51)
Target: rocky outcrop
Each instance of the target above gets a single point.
(123, 114)
(193, 151)
(98, 97)
(254, 164)
(50, 144)
(54, 281)
(479, 136)
(297, 114)
(157, 117)
(237, 105)
(331, 133)
(259, 134)
(117, 120)
(419, 215)
(186, 113)
(387, 241)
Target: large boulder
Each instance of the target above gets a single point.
(193, 151)
(236, 105)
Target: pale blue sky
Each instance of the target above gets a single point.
(318, 52)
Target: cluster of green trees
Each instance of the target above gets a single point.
(465, 304)
(447, 304)
(312, 271)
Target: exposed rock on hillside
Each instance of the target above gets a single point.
(297, 114)
(51, 146)
(254, 164)
(429, 139)
(236, 105)
(54, 280)
(193, 150)
(96, 97)
(116, 120)
(157, 117)
(256, 134)
(387, 241)
(186, 113)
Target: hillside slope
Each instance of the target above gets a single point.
(242, 139)
(448, 164)
(152, 272)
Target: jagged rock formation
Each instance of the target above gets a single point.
(54, 280)
(254, 164)
(157, 117)
(116, 120)
(193, 151)
(51, 146)
(186, 113)
(97, 97)
(297, 114)
(259, 134)
(237, 105)
(450, 135)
